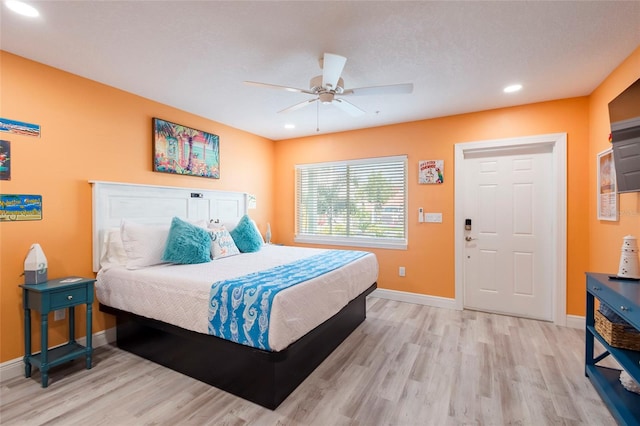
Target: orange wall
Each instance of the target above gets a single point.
(92, 132)
(429, 259)
(606, 237)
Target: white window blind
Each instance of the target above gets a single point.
(356, 202)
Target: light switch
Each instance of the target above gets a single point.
(433, 217)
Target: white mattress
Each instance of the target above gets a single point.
(179, 294)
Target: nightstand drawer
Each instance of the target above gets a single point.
(68, 297)
(621, 296)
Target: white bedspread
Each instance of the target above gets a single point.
(179, 294)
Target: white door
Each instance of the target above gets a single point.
(509, 198)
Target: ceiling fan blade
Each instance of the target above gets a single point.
(381, 90)
(332, 66)
(275, 86)
(348, 107)
(298, 105)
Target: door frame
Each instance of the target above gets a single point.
(558, 144)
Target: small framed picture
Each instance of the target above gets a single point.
(607, 191)
(19, 207)
(5, 160)
(430, 171)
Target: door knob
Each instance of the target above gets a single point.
(468, 238)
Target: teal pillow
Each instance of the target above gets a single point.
(246, 236)
(187, 243)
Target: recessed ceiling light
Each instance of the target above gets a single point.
(289, 126)
(512, 88)
(22, 8)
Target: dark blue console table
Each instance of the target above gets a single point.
(624, 298)
(49, 296)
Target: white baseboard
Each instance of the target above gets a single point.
(418, 299)
(575, 321)
(15, 367)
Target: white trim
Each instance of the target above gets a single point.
(15, 367)
(389, 159)
(558, 142)
(576, 321)
(418, 299)
(350, 241)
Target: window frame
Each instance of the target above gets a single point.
(354, 241)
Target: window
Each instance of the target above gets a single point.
(355, 202)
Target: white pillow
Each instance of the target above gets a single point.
(200, 222)
(229, 224)
(113, 253)
(144, 244)
(222, 245)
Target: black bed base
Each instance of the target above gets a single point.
(263, 377)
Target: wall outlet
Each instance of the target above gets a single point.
(59, 314)
(401, 271)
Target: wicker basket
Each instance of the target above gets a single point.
(618, 335)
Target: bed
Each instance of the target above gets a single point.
(161, 310)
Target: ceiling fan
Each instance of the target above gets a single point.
(326, 87)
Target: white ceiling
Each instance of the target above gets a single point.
(195, 55)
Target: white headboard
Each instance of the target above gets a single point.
(151, 204)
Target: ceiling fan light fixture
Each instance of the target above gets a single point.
(315, 85)
(325, 87)
(326, 97)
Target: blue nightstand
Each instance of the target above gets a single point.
(49, 296)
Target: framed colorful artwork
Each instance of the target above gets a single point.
(430, 171)
(19, 207)
(5, 160)
(19, 127)
(607, 193)
(185, 151)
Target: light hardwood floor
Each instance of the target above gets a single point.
(405, 365)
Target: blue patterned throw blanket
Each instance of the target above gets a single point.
(240, 308)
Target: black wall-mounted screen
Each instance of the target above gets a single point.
(626, 157)
(624, 113)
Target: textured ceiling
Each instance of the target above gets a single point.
(195, 55)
